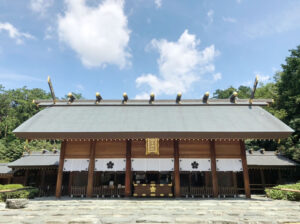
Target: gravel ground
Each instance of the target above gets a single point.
(236, 210)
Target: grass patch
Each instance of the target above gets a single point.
(17, 191)
(278, 194)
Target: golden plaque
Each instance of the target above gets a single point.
(152, 146)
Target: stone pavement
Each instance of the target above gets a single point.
(73, 211)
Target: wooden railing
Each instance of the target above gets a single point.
(196, 191)
(227, 191)
(108, 191)
(78, 191)
(46, 191)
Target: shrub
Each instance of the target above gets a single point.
(10, 186)
(284, 195)
(24, 193)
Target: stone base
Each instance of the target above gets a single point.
(16, 203)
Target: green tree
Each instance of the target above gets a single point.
(244, 92)
(288, 86)
(16, 107)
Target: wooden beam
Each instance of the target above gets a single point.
(245, 169)
(60, 169)
(279, 176)
(128, 169)
(234, 181)
(214, 168)
(51, 90)
(26, 177)
(176, 168)
(89, 192)
(43, 178)
(207, 182)
(70, 182)
(262, 178)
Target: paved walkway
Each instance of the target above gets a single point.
(71, 211)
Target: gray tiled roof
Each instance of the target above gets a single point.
(162, 121)
(268, 158)
(4, 169)
(36, 159)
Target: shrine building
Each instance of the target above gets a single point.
(153, 148)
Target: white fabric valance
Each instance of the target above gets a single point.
(115, 164)
(76, 165)
(229, 165)
(194, 164)
(142, 164)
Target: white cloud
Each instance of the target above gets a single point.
(217, 76)
(210, 16)
(19, 78)
(80, 87)
(99, 35)
(229, 19)
(262, 78)
(14, 33)
(181, 64)
(40, 6)
(158, 3)
(49, 33)
(239, 1)
(288, 18)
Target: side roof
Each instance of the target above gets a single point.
(268, 158)
(5, 170)
(157, 120)
(36, 159)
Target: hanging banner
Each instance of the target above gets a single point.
(194, 164)
(161, 165)
(152, 146)
(110, 164)
(234, 165)
(76, 165)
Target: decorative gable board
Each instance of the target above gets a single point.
(112, 164)
(152, 164)
(76, 165)
(229, 165)
(194, 164)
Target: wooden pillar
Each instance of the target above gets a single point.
(128, 169)
(70, 182)
(89, 192)
(214, 168)
(207, 179)
(26, 177)
(262, 178)
(234, 181)
(9, 180)
(279, 176)
(176, 168)
(60, 169)
(190, 182)
(43, 178)
(245, 169)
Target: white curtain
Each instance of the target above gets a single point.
(76, 165)
(142, 164)
(194, 164)
(113, 164)
(229, 165)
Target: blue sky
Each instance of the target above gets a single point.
(143, 46)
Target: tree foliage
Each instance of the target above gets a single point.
(16, 107)
(285, 90)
